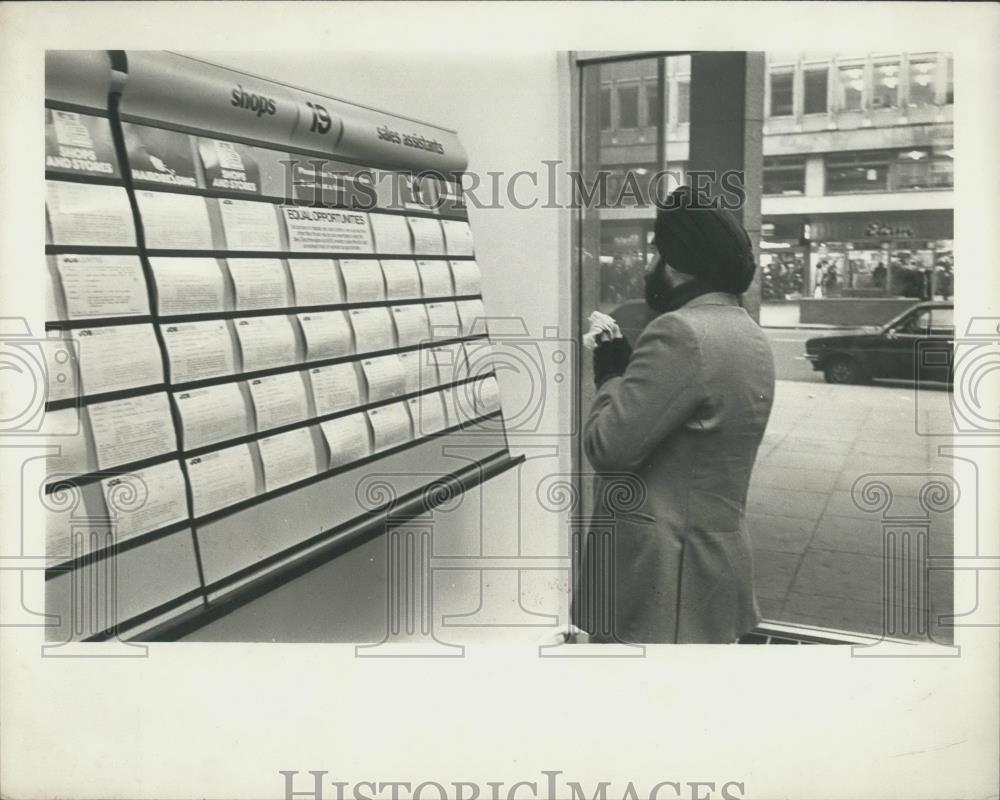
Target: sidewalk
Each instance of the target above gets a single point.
(786, 315)
(818, 553)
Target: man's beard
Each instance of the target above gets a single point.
(658, 289)
(663, 294)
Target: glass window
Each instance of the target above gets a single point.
(628, 106)
(885, 92)
(942, 322)
(605, 108)
(683, 102)
(857, 172)
(943, 172)
(652, 104)
(852, 86)
(917, 324)
(785, 175)
(921, 85)
(782, 94)
(815, 100)
(922, 169)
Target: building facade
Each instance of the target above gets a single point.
(858, 171)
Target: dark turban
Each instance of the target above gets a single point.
(706, 243)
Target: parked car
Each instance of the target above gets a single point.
(924, 333)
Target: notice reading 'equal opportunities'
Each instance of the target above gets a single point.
(316, 230)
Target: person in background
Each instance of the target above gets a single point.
(677, 422)
(878, 276)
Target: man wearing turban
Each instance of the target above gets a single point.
(681, 417)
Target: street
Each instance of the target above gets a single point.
(789, 346)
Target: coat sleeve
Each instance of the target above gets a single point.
(660, 391)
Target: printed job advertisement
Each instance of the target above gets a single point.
(411, 324)
(451, 362)
(212, 414)
(146, 499)
(266, 342)
(334, 388)
(327, 334)
(102, 286)
(259, 283)
(320, 230)
(132, 429)
(443, 318)
(468, 279)
(385, 377)
(287, 457)
(373, 329)
(86, 214)
(61, 367)
(402, 281)
(278, 400)
(479, 356)
(117, 357)
(316, 281)
(347, 438)
(435, 278)
(250, 225)
(390, 426)
(392, 234)
(199, 350)
(451, 406)
(363, 280)
(411, 362)
(67, 454)
(487, 395)
(175, 221)
(472, 315)
(427, 411)
(457, 237)
(427, 237)
(188, 285)
(222, 478)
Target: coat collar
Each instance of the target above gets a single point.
(714, 299)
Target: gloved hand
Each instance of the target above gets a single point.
(611, 359)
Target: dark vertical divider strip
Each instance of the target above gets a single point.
(119, 66)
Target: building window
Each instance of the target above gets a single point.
(885, 92)
(652, 104)
(852, 86)
(628, 106)
(785, 175)
(605, 108)
(815, 98)
(921, 169)
(949, 95)
(782, 94)
(847, 173)
(683, 102)
(921, 85)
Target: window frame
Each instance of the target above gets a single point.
(841, 67)
(780, 72)
(863, 158)
(806, 69)
(883, 61)
(620, 87)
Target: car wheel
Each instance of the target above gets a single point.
(843, 370)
